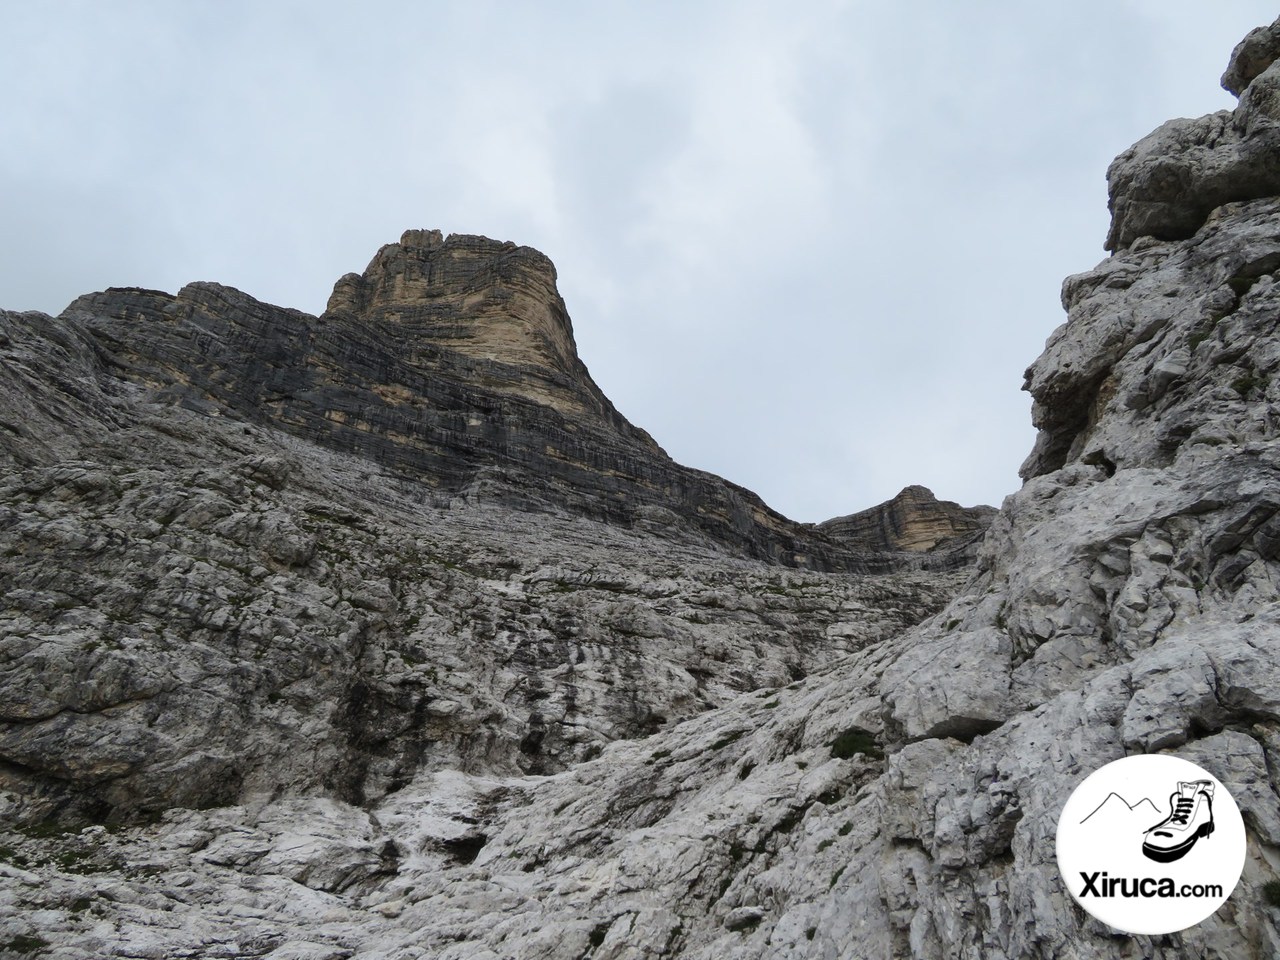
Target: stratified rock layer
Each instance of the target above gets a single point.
(914, 520)
(451, 364)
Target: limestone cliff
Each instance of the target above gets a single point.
(914, 520)
(202, 605)
(488, 301)
(246, 550)
(451, 364)
(898, 800)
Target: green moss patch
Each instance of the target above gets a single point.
(855, 741)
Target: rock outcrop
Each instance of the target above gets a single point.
(247, 551)
(898, 801)
(916, 521)
(1166, 185)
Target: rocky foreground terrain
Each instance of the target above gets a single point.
(383, 635)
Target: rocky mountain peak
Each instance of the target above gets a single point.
(413, 523)
(914, 520)
(1254, 54)
(486, 299)
(450, 364)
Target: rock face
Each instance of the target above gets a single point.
(1166, 185)
(900, 800)
(189, 634)
(450, 363)
(486, 300)
(201, 606)
(915, 520)
(248, 551)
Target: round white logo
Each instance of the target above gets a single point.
(1150, 844)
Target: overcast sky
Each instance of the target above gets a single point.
(810, 247)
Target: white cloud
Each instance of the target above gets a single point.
(809, 248)
(748, 177)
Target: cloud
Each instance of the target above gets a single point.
(811, 249)
(748, 171)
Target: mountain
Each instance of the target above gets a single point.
(449, 364)
(915, 520)
(247, 550)
(1115, 809)
(269, 693)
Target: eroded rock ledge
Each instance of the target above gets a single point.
(1166, 185)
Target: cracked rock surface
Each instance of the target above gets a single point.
(179, 634)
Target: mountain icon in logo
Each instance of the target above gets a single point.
(1116, 810)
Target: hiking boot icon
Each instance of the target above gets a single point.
(1190, 818)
